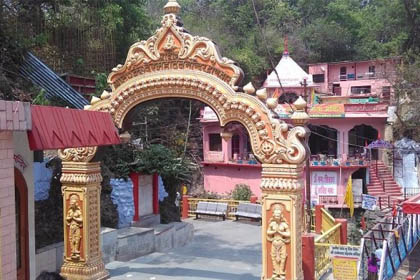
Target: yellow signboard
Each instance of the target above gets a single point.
(327, 111)
(344, 269)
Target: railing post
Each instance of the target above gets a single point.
(185, 207)
(318, 218)
(308, 258)
(343, 230)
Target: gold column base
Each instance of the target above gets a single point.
(81, 271)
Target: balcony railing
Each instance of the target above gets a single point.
(367, 107)
(360, 76)
(333, 199)
(331, 161)
(410, 192)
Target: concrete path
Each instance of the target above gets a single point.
(220, 250)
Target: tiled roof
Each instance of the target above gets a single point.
(15, 115)
(58, 128)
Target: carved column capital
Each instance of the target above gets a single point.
(282, 178)
(82, 154)
(81, 173)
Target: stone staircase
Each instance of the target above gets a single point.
(383, 185)
(410, 266)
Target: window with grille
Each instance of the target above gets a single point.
(318, 78)
(215, 141)
(235, 144)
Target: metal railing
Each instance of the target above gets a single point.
(232, 206)
(332, 236)
(328, 221)
(322, 259)
(322, 249)
(313, 220)
(384, 202)
(328, 199)
(410, 192)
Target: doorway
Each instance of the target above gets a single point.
(360, 136)
(22, 238)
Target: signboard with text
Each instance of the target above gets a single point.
(323, 183)
(368, 202)
(327, 111)
(357, 187)
(345, 251)
(344, 269)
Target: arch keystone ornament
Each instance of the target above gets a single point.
(174, 64)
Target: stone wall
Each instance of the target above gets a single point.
(122, 196)
(42, 180)
(123, 244)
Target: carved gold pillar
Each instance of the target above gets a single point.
(282, 188)
(81, 188)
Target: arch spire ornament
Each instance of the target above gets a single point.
(172, 7)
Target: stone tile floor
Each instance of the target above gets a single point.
(220, 250)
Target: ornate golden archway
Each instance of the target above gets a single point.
(173, 63)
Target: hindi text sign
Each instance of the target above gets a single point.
(344, 269)
(323, 183)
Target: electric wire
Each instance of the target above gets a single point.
(267, 50)
(355, 145)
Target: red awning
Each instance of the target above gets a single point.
(412, 206)
(59, 128)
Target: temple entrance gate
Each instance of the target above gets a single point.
(173, 63)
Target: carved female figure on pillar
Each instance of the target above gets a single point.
(278, 233)
(74, 220)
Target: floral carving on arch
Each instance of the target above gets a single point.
(174, 64)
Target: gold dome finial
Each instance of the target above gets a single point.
(172, 7)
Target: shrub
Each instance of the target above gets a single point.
(206, 195)
(242, 192)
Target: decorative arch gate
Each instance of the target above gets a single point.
(173, 63)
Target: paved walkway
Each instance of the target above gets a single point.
(220, 250)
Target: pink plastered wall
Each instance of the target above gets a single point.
(384, 71)
(342, 176)
(212, 156)
(222, 179)
(7, 207)
(344, 125)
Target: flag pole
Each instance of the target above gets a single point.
(308, 170)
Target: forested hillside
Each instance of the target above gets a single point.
(88, 37)
(318, 30)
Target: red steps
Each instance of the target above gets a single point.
(383, 185)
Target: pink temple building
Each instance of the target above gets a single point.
(348, 106)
